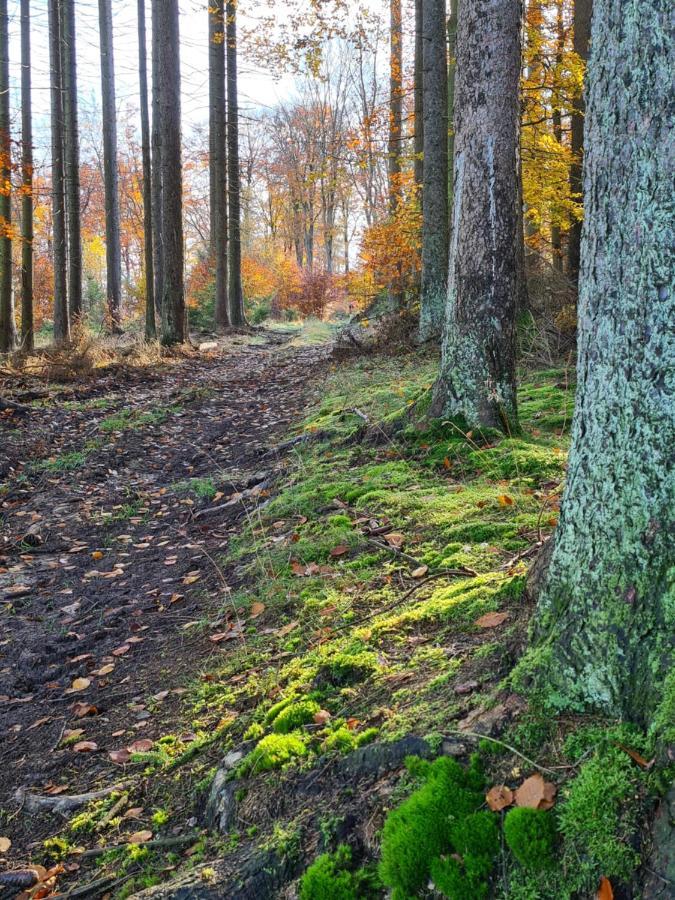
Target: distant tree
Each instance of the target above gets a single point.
(156, 142)
(61, 311)
(71, 157)
(218, 159)
(477, 381)
(603, 618)
(112, 200)
(435, 196)
(236, 295)
(150, 321)
(174, 319)
(27, 316)
(582, 32)
(7, 324)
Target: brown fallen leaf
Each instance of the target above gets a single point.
(536, 793)
(322, 717)
(97, 554)
(499, 797)
(120, 756)
(297, 568)
(140, 837)
(80, 684)
(420, 572)
(640, 760)
(80, 710)
(104, 670)
(286, 629)
(605, 891)
(218, 637)
(142, 746)
(491, 620)
(85, 747)
(505, 500)
(257, 609)
(395, 540)
(5, 844)
(121, 651)
(134, 813)
(340, 550)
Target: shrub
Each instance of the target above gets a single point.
(530, 835)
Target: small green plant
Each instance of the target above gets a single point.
(530, 835)
(332, 876)
(272, 752)
(56, 848)
(160, 818)
(295, 716)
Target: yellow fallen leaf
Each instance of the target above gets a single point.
(140, 837)
(97, 554)
(5, 844)
(80, 684)
(257, 609)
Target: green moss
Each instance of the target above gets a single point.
(273, 752)
(294, 716)
(436, 820)
(330, 876)
(276, 708)
(530, 835)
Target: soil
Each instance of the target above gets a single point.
(108, 566)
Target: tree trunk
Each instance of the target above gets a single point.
(218, 161)
(61, 312)
(556, 231)
(394, 147)
(452, 65)
(174, 330)
(71, 157)
(477, 381)
(435, 198)
(27, 325)
(602, 617)
(419, 95)
(582, 32)
(150, 321)
(112, 200)
(156, 141)
(7, 324)
(236, 296)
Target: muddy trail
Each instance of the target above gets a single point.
(119, 495)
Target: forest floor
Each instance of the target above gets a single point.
(203, 559)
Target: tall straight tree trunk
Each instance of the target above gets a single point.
(582, 32)
(452, 65)
(112, 199)
(156, 141)
(556, 231)
(27, 319)
(174, 325)
(61, 311)
(218, 161)
(477, 381)
(419, 95)
(150, 322)
(435, 197)
(72, 157)
(7, 325)
(236, 295)
(603, 624)
(394, 145)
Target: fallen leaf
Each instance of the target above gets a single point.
(257, 609)
(505, 500)
(5, 844)
(80, 684)
(535, 793)
(80, 710)
(286, 629)
(605, 891)
(120, 651)
(140, 837)
(191, 579)
(39, 723)
(499, 797)
(352, 724)
(85, 747)
(640, 760)
(218, 637)
(340, 550)
(395, 540)
(322, 717)
(104, 670)
(491, 620)
(297, 568)
(420, 572)
(141, 746)
(97, 554)
(120, 756)
(134, 813)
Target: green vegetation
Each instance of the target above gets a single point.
(273, 752)
(332, 876)
(530, 835)
(294, 716)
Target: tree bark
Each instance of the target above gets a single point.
(435, 197)
(112, 200)
(582, 31)
(394, 147)
(477, 381)
(61, 312)
(602, 618)
(218, 161)
(452, 65)
(556, 230)
(27, 319)
(71, 158)
(419, 96)
(150, 321)
(174, 325)
(236, 296)
(7, 324)
(156, 140)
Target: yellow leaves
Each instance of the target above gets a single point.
(5, 844)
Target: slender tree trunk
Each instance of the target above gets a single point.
(394, 147)
(582, 31)
(156, 140)
(71, 158)
(7, 325)
(150, 322)
(556, 231)
(435, 198)
(452, 65)
(218, 162)
(419, 95)
(174, 325)
(112, 200)
(61, 311)
(27, 322)
(603, 621)
(477, 381)
(236, 296)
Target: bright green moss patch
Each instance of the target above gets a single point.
(332, 877)
(273, 752)
(530, 835)
(294, 716)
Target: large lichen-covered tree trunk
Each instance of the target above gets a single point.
(435, 196)
(603, 619)
(477, 380)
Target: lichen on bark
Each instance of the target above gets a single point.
(605, 616)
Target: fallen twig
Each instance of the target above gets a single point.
(151, 845)
(60, 803)
(484, 737)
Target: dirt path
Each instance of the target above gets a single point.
(109, 556)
